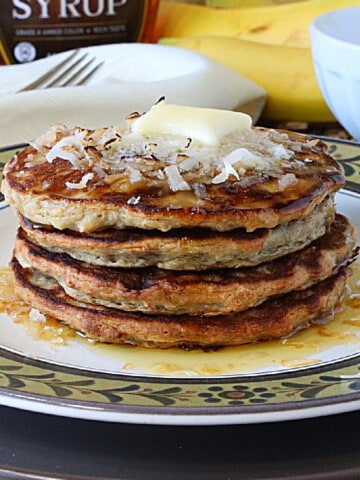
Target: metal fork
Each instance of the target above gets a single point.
(72, 71)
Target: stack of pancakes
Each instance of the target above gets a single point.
(162, 241)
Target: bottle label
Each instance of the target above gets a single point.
(31, 29)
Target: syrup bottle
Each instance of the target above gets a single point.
(31, 29)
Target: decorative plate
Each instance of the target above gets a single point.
(312, 373)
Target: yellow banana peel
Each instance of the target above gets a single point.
(285, 24)
(246, 3)
(286, 73)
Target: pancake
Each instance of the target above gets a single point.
(210, 233)
(86, 180)
(184, 249)
(272, 319)
(156, 291)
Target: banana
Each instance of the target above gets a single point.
(286, 73)
(286, 24)
(245, 3)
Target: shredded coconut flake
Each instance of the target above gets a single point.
(176, 182)
(83, 182)
(135, 175)
(134, 200)
(45, 140)
(120, 155)
(287, 180)
(189, 164)
(279, 151)
(68, 148)
(37, 316)
(109, 135)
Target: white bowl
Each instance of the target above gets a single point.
(335, 46)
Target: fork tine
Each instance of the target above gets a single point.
(41, 80)
(60, 79)
(79, 77)
(86, 77)
(70, 71)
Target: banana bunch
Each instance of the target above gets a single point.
(269, 44)
(280, 24)
(245, 3)
(285, 73)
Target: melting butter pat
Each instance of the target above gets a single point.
(207, 125)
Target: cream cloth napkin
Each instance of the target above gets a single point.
(132, 78)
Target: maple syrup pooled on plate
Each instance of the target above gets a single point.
(38, 326)
(301, 349)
